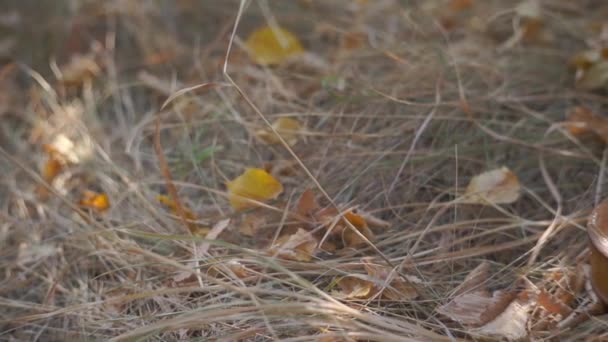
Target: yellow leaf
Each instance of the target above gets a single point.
(355, 287)
(273, 45)
(499, 186)
(255, 184)
(288, 128)
(94, 200)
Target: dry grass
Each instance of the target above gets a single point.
(396, 127)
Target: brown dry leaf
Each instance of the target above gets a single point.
(288, 128)
(273, 45)
(354, 40)
(94, 200)
(234, 266)
(499, 186)
(582, 120)
(476, 308)
(552, 304)
(460, 5)
(474, 279)
(250, 224)
(300, 246)
(392, 285)
(511, 324)
(79, 69)
(255, 184)
(595, 77)
(307, 204)
(350, 238)
(189, 216)
(352, 287)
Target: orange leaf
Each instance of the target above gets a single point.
(272, 45)
(255, 184)
(94, 200)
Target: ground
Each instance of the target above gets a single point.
(398, 104)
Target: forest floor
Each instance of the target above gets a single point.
(118, 215)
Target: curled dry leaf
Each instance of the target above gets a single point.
(341, 228)
(499, 186)
(272, 45)
(94, 200)
(255, 184)
(288, 128)
(300, 246)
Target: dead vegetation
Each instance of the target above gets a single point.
(398, 171)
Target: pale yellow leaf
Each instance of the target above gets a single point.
(300, 246)
(499, 186)
(510, 324)
(288, 128)
(476, 308)
(255, 184)
(273, 45)
(355, 287)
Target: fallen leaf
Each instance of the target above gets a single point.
(341, 229)
(352, 287)
(510, 324)
(79, 69)
(474, 279)
(94, 200)
(273, 45)
(54, 165)
(307, 204)
(234, 266)
(392, 285)
(250, 224)
(582, 120)
(460, 5)
(500, 186)
(300, 246)
(473, 305)
(288, 128)
(476, 308)
(254, 184)
(595, 77)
